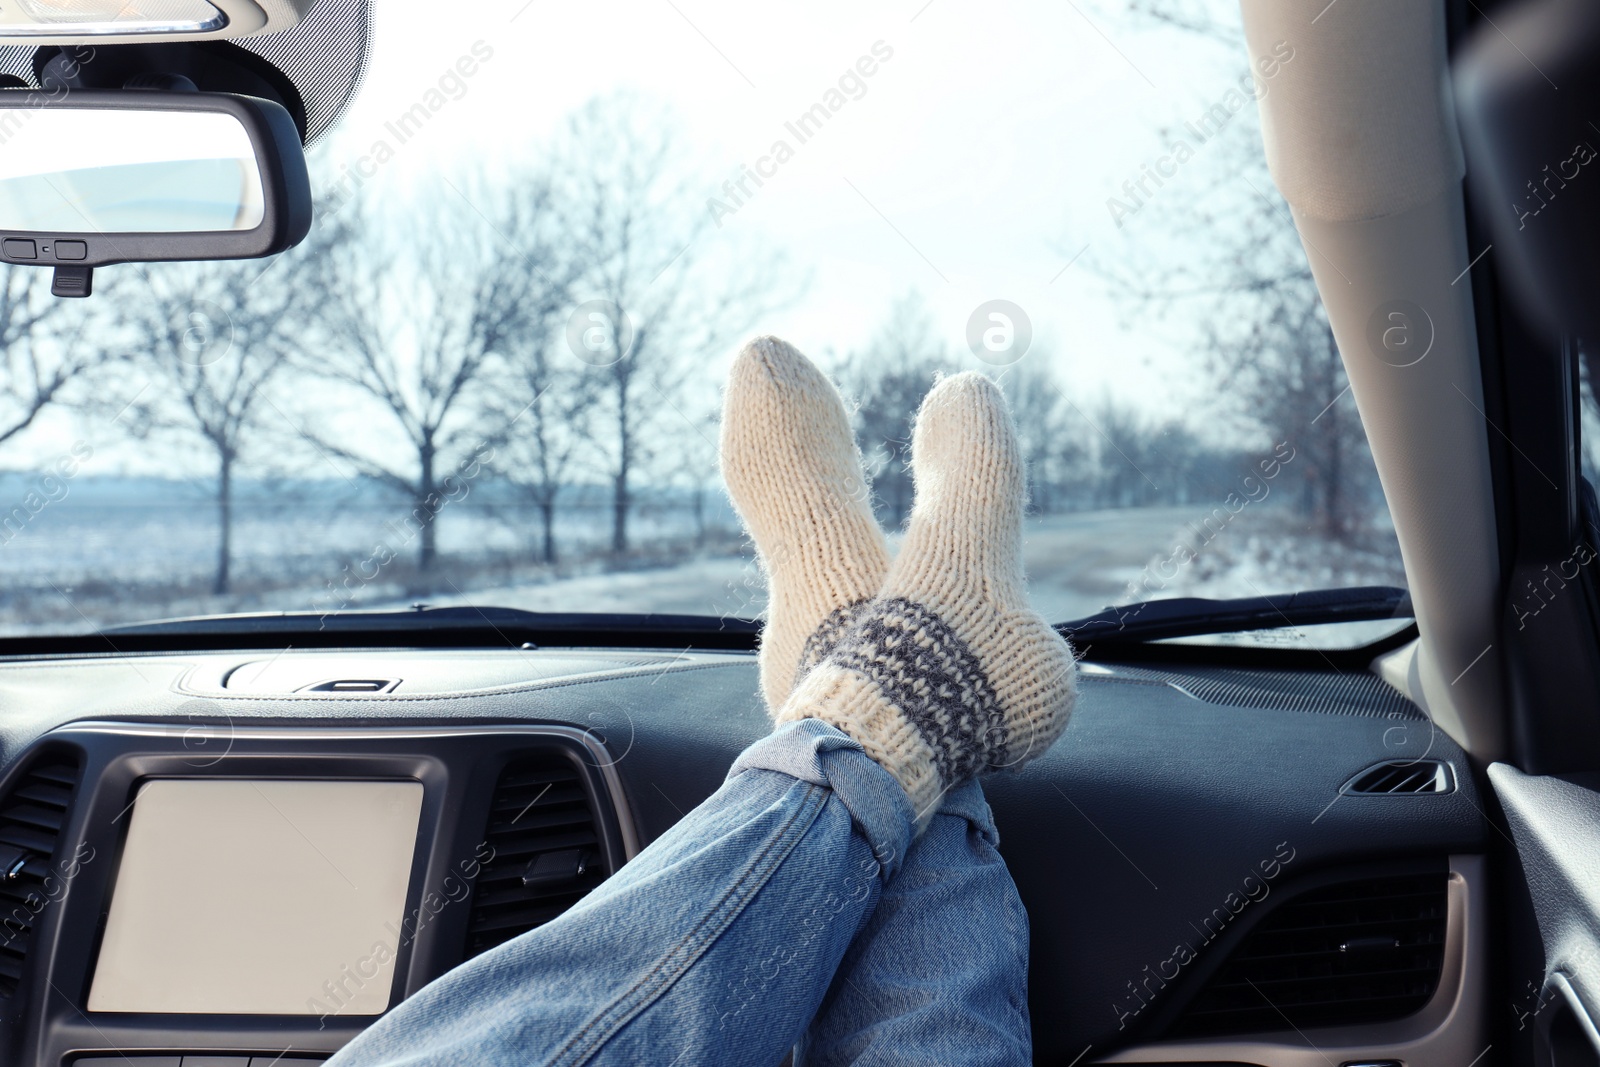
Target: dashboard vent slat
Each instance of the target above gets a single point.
(1324, 959)
(539, 807)
(27, 837)
(32, 814)
(1403, 777)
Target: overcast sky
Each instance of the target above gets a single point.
(973, 164)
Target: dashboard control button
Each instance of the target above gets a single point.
(13, 861)
(556, 868)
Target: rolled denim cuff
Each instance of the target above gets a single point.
(812, 751)
(966, 801)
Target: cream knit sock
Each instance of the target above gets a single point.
(792, 468)
(949, 674)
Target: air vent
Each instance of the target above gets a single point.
(31, 818)
(547, 850)
(1355, 953)
(1402, 777)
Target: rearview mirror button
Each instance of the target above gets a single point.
(17, 248)
(70, 249)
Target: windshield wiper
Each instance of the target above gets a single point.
(1143, 621)
(1153, 620)
(499, 627)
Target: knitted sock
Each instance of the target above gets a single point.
(792, 468)
(949, 674)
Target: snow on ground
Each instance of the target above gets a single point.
(1077, 563)
(1272, 553)
(91, 569)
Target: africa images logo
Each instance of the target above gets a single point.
(851, 85)
(1400, 333)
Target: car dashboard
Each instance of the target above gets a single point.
(222, 858)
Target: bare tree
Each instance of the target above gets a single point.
(640, 227)
(1052, 444)
(40, 353)
(428, 299)
(690, 468)
(1244, 281)
(213, 337)
(1285, 360)
(1268, 350)
(1198, 17)
(545, 410)
(1123, 470)
(887, 380)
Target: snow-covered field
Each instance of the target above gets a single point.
(83, 567)
(1077, 564)
(80, 564)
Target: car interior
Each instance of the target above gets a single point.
(1315, 826)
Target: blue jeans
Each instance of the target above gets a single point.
(790, 909)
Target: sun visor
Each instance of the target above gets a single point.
(1358, 126)
(101, 21)
(314, 68)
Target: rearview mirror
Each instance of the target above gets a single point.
(93, 178)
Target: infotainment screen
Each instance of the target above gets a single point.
(259, 897)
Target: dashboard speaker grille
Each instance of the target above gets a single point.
(32, 815)
(1331, 692)
(1353, 953)
(546, 850)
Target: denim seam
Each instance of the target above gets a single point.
(694, 944)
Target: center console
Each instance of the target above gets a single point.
(217, 896)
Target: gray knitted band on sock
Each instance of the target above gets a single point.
(928, 673)
(826, 636)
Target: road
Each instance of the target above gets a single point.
(1077, 564)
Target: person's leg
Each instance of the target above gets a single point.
(721, 937)
(717, 943)
(939, 971)
(942, 962)
(714, 945)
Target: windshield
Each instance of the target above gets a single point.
(491, 374)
